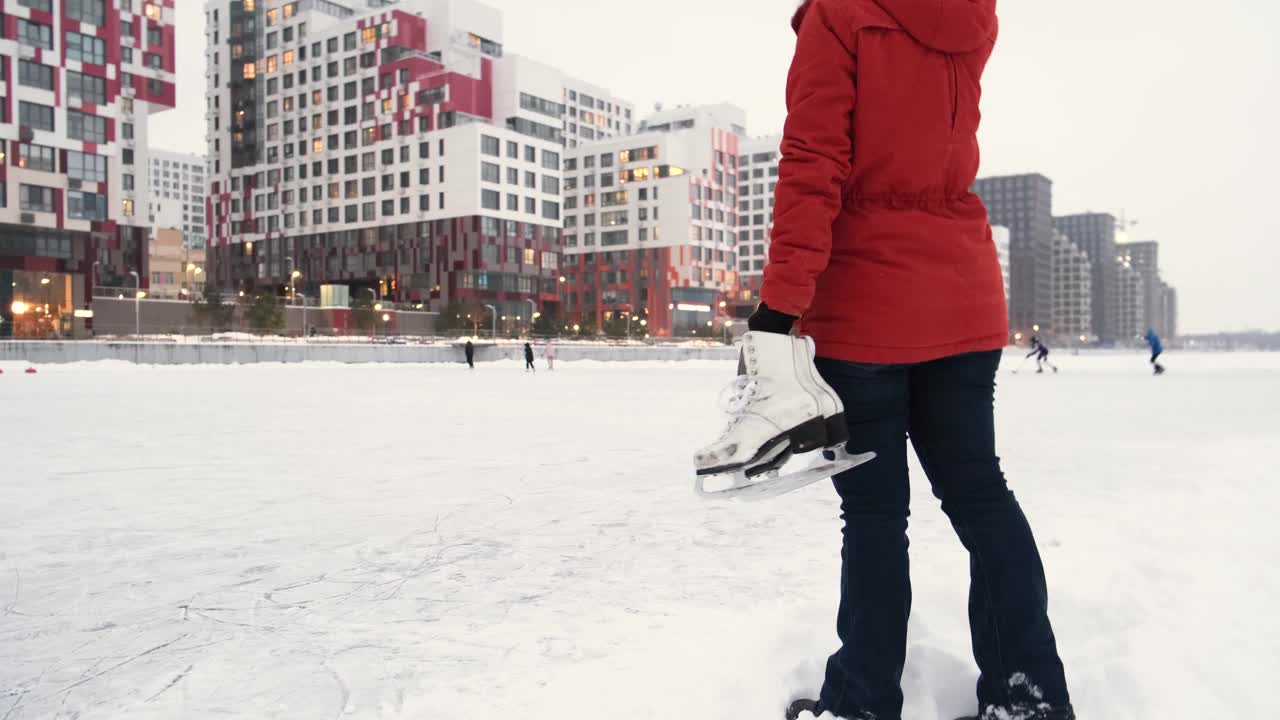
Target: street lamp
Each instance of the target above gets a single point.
(494, 314)
(304, 315)
(193, 272)
(137, 308)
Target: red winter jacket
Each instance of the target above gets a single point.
(878, 244)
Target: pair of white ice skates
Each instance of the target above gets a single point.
(779, 407)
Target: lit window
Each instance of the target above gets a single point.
(388, 105)
(152, 11)
(288, 57)
(288, 10)
(128, 208)
(369, 35)
(273, 63)
(273, 16)
(249, 5)
(250, 71)
(317, 146)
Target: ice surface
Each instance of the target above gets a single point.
(325, 541)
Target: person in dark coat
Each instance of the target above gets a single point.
(1157, 349)
(1041, 353)
(528, 358)
(883, 255)
(470, 352)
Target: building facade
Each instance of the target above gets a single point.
(1024, 204)
(178, 189)
(1073, 274)
(593, 113)
(758, 161)
(651, 223)
(1000, 236)
(176, 268)
(1131, 303)
(397, 149)
(78, 81)
(1095, 235)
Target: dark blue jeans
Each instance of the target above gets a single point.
(946, 409)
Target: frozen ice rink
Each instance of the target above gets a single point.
(325, 541)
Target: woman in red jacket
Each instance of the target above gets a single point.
(885, 258)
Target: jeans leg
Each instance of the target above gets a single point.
(865, 674)
(953, 432)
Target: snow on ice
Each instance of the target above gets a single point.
(324, 541)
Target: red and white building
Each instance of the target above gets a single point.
(758, 160)
(651, 223)
(389, 147)
(78, 80)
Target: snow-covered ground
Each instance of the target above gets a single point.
(324, 541)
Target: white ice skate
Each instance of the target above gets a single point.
(779, 407)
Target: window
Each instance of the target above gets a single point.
(87, 49)
(36, 116)
(550, 185)
(152, 11)
(154, 37)
(88, 88)
(36, 157)
(531, 180)
(531, 206)
(35, 34)
(489, 145)
(249, 71)
(513, 176)
(86, 166)
(550, 160)
(89, 128)
(490, 200)
(43, 5)
(490, 172)
(513, 202)
(513, 150)
(34, 198)
(35, 75)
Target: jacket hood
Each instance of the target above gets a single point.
(949, 26)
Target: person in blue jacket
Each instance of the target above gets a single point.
(1156, 349)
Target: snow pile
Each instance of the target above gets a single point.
(408, 542)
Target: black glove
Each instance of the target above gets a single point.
(766, 319)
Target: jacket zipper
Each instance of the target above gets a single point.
(955, 91)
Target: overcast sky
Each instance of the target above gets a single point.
(1164, 110)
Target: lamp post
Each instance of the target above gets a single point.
(533, 313)
(193, 271)
(304, 314)
(494, 314)
(137, 307)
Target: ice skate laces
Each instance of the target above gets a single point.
(736, 398)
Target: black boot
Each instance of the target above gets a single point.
(799, 706)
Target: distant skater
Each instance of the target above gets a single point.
(470, 352)
(1041, 353)
(528, 358)
(1157, 349)
(549, 352)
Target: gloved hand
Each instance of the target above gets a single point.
(766, 319)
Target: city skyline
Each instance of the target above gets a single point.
(1085, 122)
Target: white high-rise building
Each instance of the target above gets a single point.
(593, 113)
(651, 221)
(1072, 290)
(178, 192)
(394, 147)
(758, 160)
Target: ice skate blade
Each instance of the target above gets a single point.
(773, 483)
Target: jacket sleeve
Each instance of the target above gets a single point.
(817, 150)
